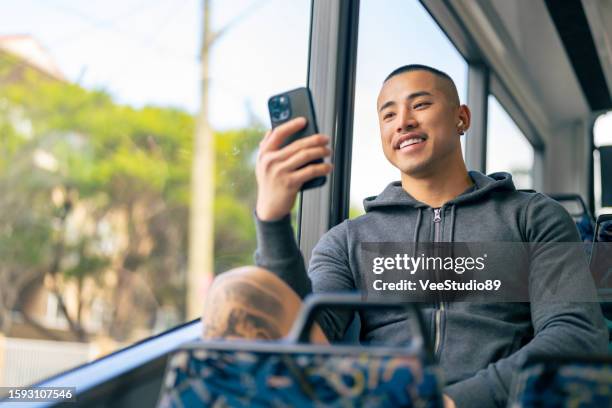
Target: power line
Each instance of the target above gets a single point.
(146, 42)
(96, 23)
(109, 25)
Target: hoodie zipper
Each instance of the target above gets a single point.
(437, 218)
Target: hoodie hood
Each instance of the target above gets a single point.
(395, 195)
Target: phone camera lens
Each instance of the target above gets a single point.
(280, 109)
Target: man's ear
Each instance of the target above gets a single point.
(464, 121)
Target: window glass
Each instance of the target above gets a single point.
(602, 134)
(507, 148)
(98, 106)
(392, 33)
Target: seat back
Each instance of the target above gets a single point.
(576, 207)
(601, 268)
(603, 228)
(564, 382)
(292, 373)
(601, 255)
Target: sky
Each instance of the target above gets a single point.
(146, 52)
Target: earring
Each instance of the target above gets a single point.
(460, 127)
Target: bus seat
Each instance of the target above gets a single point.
(585, 228)
(292, 372)
(575, 206)
(601, 267)
(605, 232)
(564, 382)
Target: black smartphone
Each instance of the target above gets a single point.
(292, 104)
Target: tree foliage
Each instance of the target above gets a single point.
(98, 192)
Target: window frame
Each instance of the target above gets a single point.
(331, 78)
(591, 159)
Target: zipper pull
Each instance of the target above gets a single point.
(437, 216)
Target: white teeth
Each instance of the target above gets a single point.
(410, 141)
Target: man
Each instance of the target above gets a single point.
(478, 345)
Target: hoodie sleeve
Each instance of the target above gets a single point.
(329, 271)
(560, 327)
(278, 252)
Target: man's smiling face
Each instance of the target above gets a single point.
(418, 113)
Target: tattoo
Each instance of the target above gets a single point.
(258, 298)
(244, 324)
(242, 309)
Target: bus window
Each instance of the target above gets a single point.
(504, 137)
(602, 133)
(98, 109)
(387, 42)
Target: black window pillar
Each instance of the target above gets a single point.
(476, 138)
(331, 79)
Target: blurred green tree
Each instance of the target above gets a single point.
(95, 191)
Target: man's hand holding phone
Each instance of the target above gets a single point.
(281, 170)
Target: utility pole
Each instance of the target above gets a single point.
(201, 223)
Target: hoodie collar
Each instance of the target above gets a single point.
(395, 195)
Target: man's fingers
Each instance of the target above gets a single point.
(305, 143)
(301, 176)
(305, 156)
(282, 132)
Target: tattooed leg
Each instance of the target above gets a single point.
(251, 303)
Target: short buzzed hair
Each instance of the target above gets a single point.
(418, 67)
(451, 91)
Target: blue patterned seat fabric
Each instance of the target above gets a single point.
(605, 232)
(585, 227)
(584, 384)
(229, 378)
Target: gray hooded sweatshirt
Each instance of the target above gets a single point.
(479, 346)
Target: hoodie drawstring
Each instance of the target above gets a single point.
(417, 227)
(452, 224)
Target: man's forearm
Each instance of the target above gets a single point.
(278, 252)
(576, 330)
